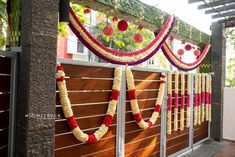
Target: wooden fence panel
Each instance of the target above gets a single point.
(5, 76)
(89, 90)
(139, 142)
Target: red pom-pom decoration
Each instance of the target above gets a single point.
(188, 47)
(108, 30)
(122, 25)
(138, 38)
(197, 53)
(87, 11)
(180, 52)
(115, 19)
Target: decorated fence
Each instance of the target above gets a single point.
(106, 110)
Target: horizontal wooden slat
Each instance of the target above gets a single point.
(88, 84)
(102, 153)
(4, 119)
(5, 65)
(152, 150)
(140, 85)
(144, 75)
(84, 123)
(145, 95)
(3, 137)
(178, 139)
(69, 139)
(4, 151)
(150, 140)
(138, 135)
(200, 137)
(142, 104)
(85, 110)
(144, 113)
(176, 133)
(4, 83)
(78, 71)
(4, 101)
(83, 149)
(176, 148)
(86, 97)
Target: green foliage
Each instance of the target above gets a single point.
(230, 73)
(3, 21)
(122, 40)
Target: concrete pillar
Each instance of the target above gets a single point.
(218, 82)
(37, 86)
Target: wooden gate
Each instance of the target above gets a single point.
(89, 89)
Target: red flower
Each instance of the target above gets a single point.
(197, 53)
(188, 47)
(122, 25)
(115, 19)
(108, 30)
(180, 52)
(138, 38)
(87, 11)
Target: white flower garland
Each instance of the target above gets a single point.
(207, 97)
(68, 112)
(182, 93)
(195, 100)
(188, 100)
(203, 97)
(199, 98)
(169, 102)
(134, 103)
(210, 82)
(176, 101)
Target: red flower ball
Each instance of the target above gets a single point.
(188, 47)
(87, 11)
(115, 19)
(180, 52)
(197, 53)
(122, 25)
(108, 30)
(138, 38)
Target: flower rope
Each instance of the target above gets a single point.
(182, 92)
(210, 96)
(203, 97)
(134, 103)
(175, 61)
(68, 112)
(199, 98)
(188, 100)
(176, 102)
(118, 57)
(195, 100)
(169, 102)
(207, 96)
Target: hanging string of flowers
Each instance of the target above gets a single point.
(182, 93)
(207, 96)
(199, 98)
(195, 99)
(118, 57)
(178, 63)
(176, 101)
(188, 100)
(68, 111)
(210, 97)
(134, 103)
(169, 102)
(203, 97)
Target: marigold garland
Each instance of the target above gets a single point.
(195, 100)
(68, 112)
(134, 103)
(169, 102)
(182, 95)
(188, 100)
(176, 101)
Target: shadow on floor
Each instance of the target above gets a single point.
(213, 149)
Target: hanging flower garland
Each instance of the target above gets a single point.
(188, 100)
(195, 100)
(134, 103)
(203, 97)
(175, 61)
(199, 98)
(182, 93)
(118, 57)
(176, 101)
(169, 102)
(68, 112)
(208, 97)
